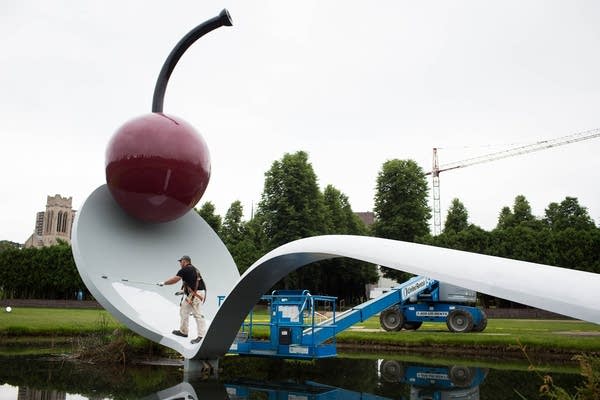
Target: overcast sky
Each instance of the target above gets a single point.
(352, 83)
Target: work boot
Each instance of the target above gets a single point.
(197, 340)
(179, 333)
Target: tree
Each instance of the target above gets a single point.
(291, 205)
(568, 214)
(232, 230)
(291, 208)
(457, 218)
(522, 210)
(520, 215)
(6, 244)
(505, 219)
(339, 215)
(343, 277)
(577, 249)
(241, 237)
(207, 212)
(473, 239)
(401, 210)
(56, 276)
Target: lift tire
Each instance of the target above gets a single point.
(391, 371)
(461, 376)
(482, 325)
(391, 319)
(459, 321)
(412, 326)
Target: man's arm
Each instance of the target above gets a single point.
(170, 281)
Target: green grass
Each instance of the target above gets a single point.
(55, 322)
(551, 335)
(501, 334)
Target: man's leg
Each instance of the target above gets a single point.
(200, 322)
(184, 315)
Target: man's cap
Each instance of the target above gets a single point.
(187, 258)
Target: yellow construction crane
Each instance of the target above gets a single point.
(515, 151)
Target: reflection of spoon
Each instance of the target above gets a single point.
(207, 390)
(182, 391)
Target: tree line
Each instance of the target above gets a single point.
(45, 273)
(292, 206)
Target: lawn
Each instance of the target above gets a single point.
(548, 335)
(55, 321)
(552, 335)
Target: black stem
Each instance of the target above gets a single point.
(165, 73)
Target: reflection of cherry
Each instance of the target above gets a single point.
(157, 165)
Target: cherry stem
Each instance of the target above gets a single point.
(165, 73)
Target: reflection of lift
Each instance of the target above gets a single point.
(297, 330)
(439, 382)
(244, 389)
(426, 383)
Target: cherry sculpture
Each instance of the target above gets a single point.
(158, 165)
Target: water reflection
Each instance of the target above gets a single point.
(258, 378)
(435, 382)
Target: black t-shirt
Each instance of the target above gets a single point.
(188, 275)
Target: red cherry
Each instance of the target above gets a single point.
(157, 167)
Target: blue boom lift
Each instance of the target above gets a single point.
(297, 330)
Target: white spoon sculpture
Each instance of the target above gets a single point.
(120, 257)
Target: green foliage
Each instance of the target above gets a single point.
(520, 215)
(343, 277)
(577, 249)
(568, 214)
(401, 210)
(291, 208)
(457, 218)
(291, 205)
(232, 230)
(46, 273)
(207, 212)
(589, 366)
(241, 238)
(472, 238)
(6, 244)
(505, 218)
(520, 243)
(566, 237)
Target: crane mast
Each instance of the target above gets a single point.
(515, 151)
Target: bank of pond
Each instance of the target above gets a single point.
(366, 376)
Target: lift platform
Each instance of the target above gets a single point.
(298, 330)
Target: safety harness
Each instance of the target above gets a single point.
(194, 292)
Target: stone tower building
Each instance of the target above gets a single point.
(54, 223)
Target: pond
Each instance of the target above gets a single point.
(348, 376)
